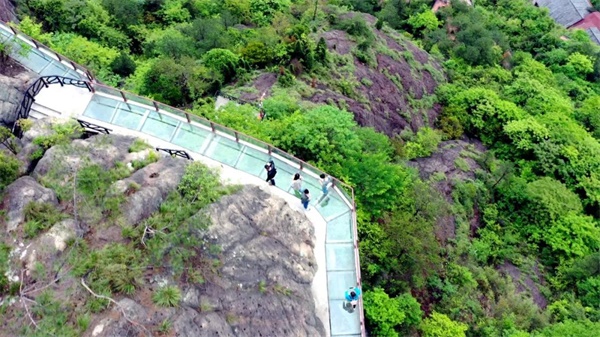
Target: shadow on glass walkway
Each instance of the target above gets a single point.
(109, 106)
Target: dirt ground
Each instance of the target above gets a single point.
(9, 67)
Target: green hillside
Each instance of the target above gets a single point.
(471, 136)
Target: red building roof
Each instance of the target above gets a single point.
(591, 20)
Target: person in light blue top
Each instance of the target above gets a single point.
(351, 295)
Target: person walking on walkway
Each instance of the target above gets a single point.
(271, 172)
(305, 198)
(351, 295)
(326, 183)
(296, 185)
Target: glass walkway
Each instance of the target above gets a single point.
(109, 106)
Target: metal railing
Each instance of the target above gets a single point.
(40, 46)
(346, 191)
(35, 88)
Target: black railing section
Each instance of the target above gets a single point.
(93, 127)
(177, 153)
(35, 88)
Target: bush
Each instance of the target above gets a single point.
(286, 80)
(116, 268)
(424, 144)
(440, 325)
(9, 170)
(40, 216)
(168, 296)
(123, 65)
(139, 145)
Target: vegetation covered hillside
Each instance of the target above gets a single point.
(485, 224)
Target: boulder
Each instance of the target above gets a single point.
(103, 150)
(20, 193)
(264, 285)
(148, 187)
(11, 95)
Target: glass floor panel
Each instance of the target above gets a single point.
(224, 150)
(191, 137)
(34, 60)
(343, 322)
(253, 161)
(332, 205)
(129, 116)
(160, 126)
(101, 108)
(338, 282)
(340, 256)
(340, 229)
(56, 68)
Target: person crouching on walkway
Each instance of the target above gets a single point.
(305, 198)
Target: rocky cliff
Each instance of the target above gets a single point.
(100, 236)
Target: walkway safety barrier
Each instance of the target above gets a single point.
(187, 133)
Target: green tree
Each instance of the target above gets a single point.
(123, 65)
(321, 51)
(166, 82)
(423, 22)
(440, 325)
(388, 316)
(323, 135)
(223, 62)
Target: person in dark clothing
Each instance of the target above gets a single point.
(271, 172)
(305, 198)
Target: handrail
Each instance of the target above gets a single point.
(40, 46)
(34, 89)
(117, 94)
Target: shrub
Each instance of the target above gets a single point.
(168, 296)
(440, 325)
(9, 170)
(451, 127)
(151, 158)
(424, 144)
(139, 145)
(40, 216)
(286, 80)
(116, 268)
(123, 65)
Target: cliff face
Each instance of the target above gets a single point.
(106, 216)
(388, 85)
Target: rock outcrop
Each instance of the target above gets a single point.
(20, 193)
(147, 188)
(263, 287)
(11, 95)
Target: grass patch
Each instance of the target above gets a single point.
(168, 296)
(462, 164)
(152, 157)
(139, 145)
(40, 216)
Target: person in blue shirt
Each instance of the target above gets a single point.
(351, 295)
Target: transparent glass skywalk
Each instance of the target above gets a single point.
(229, 148)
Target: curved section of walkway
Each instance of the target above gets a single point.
(110, 107)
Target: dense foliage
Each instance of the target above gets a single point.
(524, 258)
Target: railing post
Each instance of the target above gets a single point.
(270, 149)
(237, 136)
(125, 98)
(13, 29)
(155, 105)
(187, 116)
(73, 65)
(212, 126)
(44, 81)
(58, 56)
(37, 46)
(301, 166)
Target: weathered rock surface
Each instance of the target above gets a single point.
(452, 162)
(11, 95)
(391, 95)
(103, 150)
(263, 287)
(19, 194)
(147, 188)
